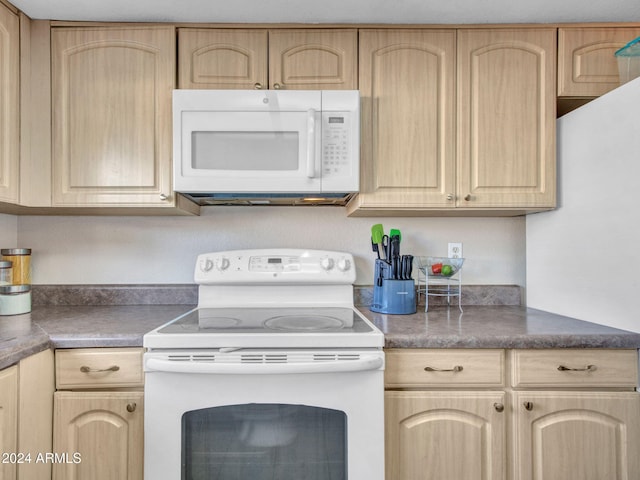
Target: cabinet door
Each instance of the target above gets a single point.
(445, 435)
(407, 84)
(101, 433)
(577, 436)
(112, 115)
(8, 421)
(587, 66)
(506, 117)
(313, 59)
(9, 97)
(222, 58)
(35, 425)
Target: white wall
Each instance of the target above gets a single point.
(116, 250)
(583, 260)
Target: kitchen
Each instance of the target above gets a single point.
(71, 250)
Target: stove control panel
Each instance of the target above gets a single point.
(275, 266)
(274, 263)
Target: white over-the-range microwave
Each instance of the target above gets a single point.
(266, 147)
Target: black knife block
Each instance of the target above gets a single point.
(396, 297)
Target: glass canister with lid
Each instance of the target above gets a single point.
(15, 299)
(6, 269)
(21, 260)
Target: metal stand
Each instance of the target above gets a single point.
(439, 286)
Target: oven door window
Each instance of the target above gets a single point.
(264, 441)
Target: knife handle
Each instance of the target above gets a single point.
(409, 265)
(395, 245)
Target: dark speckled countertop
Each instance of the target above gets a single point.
(496, 327)
(65, 325)
(70, 326)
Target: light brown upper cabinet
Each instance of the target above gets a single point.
(303, 59)
(506, 118)
(587, 66)
(457, 120)
(407, 88)
(9, 97)
(111, 99)
(221, 58)
(313, 59)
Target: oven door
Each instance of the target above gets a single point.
(288, 420)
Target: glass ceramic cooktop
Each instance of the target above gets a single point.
(269, 321)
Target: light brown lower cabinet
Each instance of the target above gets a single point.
(445, 435)
(577, 435)
(437, 427)
(98, 424)
(8, 421)
(26, 399)
(100, 435)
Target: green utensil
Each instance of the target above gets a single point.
(395, 232)
(377, 232)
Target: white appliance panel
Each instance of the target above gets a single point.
(274, 357)
(359, 395)
(246, 141)
(275, 267)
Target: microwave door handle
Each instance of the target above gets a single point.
(311, 143)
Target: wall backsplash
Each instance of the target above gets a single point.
(187, 294)
(8, 230)
(156, 250)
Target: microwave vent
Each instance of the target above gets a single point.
(269, 199)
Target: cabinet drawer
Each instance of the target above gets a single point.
(574, 368)
(444, 368)
(99, 368)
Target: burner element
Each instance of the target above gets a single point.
(303, 323)
(219, 322)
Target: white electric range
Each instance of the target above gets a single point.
(274, 357)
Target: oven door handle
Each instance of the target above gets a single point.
(370, 362)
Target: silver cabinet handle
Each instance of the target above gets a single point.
(277, 86)
(449, 196)
(257, 86)
(131, 407)
(85, 369)
(528, 406)
(457, 368)
(499, 407)
(588, 368)
(164, 197)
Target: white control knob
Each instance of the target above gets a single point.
(222, 264)
(344, 264)
(206, 264)
(327, 263)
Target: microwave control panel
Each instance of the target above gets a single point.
(335, 143)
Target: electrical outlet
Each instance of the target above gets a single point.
(455, 250)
